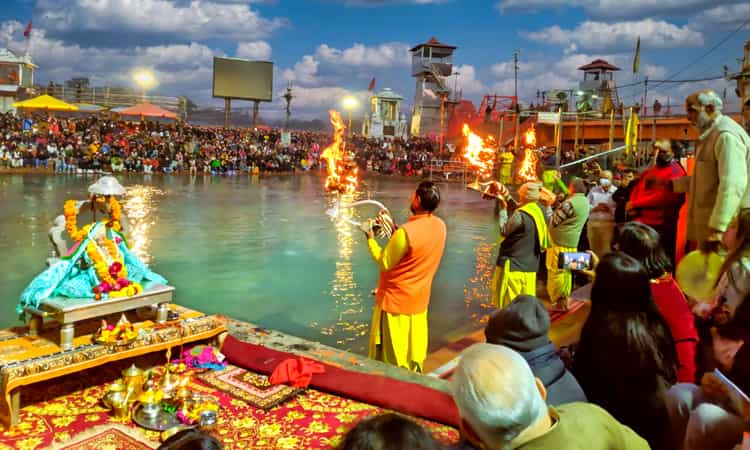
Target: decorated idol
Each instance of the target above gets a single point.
(99, 265)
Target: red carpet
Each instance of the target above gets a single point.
(400, 396)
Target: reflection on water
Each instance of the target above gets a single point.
(140, 202)
(261, 249)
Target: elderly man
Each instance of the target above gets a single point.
(523, 238)
(717, 190)
(565, 229)
(502, 406)
(601, 224)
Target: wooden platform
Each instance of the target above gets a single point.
(26, 359)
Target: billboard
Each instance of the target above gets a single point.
(243, 79)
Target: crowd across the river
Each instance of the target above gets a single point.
(96, 144)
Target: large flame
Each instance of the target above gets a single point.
(527, 168)
(478, 153)
(342, 176)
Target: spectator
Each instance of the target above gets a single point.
(502, 407)
(651, 200)
(601, 223)
(388, 432)
(625, 360)
(524, 327)
(643, 243)
(622, 195)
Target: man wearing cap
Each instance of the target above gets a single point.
(565, 227)
(407, 264)
(717, 190)
(652, 203)
(523, 237)
(523, 326)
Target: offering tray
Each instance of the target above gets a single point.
(162, 421)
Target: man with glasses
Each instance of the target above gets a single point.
(717, 190)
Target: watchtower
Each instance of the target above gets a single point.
(431, 64)
(598, 86)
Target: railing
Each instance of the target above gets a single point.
(112, 98)
(449, 170)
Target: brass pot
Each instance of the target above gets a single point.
(115, 395)
(134, 377)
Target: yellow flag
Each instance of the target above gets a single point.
(637, 58)
(631, 132)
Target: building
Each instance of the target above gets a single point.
(16, 78)
(598, 90)
(431, 64)
(384, 118)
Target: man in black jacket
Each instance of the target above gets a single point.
(523, 326)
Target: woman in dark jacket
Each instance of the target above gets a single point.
(626, 360)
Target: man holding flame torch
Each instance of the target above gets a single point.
(407, 264)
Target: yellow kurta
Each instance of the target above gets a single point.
(559, 281)
(397, 339)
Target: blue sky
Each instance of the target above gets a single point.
(327, 48)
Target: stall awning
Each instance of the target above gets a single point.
(148, 110)
(45, 102)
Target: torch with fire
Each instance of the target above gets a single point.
(480, 155)
(343, 178)
(527, 169)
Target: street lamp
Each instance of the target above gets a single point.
(350, 103)
(145, 80)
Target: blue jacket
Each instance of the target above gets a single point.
(561, 385)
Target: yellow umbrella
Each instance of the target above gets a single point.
(45, 102)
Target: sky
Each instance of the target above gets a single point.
(327, 49)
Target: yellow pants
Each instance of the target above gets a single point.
(506, 285)
(559, 281)
(399, 339)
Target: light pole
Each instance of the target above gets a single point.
(145, 80)
(349, 103)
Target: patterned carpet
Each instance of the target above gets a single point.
(69, 408)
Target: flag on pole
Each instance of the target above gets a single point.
(27, 31)
(631, 132)
(637, 58)
(372, 85)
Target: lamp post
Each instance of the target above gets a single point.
(349, 103)
(145, 80)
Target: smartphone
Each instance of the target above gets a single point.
(574, 261)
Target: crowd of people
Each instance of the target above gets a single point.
(652, 364)
(98, 144)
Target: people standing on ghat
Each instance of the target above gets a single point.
(502, 406)
(407, 264)
(653, 203)
(565, 227)
(602, 217)
(622, 194)
(523, 238)
(717, 190)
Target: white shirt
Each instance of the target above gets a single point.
(598, 195)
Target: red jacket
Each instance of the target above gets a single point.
(674, 309)
(655, 203)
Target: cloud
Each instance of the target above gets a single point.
(392, 2)
(467, 80)
(505, 68)
(726, 16)
(383, 55)
(195, 20)
(304, 71)
(615, 9)
(619, 36)
(254, 50)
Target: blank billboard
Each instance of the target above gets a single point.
(243, 79)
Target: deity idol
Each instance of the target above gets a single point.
(100, 264)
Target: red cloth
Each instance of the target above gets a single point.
(674, 308)
(298, 372)
(378, 390)
(657, 204)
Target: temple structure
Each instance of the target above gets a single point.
(16, 77)
(384, 118)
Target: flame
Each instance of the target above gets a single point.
(478, 153)
(342, 177)
(527, 168)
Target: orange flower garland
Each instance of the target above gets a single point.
(113, 277)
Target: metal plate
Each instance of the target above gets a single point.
(163, 421)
